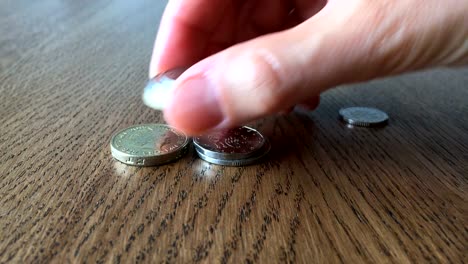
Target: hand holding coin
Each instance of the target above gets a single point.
(254, 58)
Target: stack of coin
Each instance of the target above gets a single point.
(240, 146)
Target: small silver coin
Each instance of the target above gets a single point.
(232, 144)
(148, 145)
(158, 90)
(237, 162)
(363, 116)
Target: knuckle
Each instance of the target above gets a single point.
(266, 81)
(252, 84)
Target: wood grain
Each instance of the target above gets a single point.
(71, 75)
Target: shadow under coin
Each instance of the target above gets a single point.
(288, 135)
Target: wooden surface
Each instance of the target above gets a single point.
(71, 75)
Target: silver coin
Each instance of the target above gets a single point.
(158, 90)
(233, 144)
(148, 145)
(237, 162)
(363, 116)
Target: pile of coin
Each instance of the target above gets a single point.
(156, 144)
(234, 147)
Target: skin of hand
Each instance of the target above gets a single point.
(253, 58)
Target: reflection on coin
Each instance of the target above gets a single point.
(237, 143)
(363, 116)
(158, 90)
(261, 153)
(148, 145)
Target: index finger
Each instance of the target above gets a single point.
(184, 32)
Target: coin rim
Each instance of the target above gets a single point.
(354, 122)
(237, 162)
(148, 160)
(230, 156)
(151, 161)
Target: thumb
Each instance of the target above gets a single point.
(274, 72)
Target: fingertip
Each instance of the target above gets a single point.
(153, 69)
(160, 41)
(165, 40)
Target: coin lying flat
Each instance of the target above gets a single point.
(148, 145)
(158, 90)
(363, 116)
(261, 153)
(235, 143)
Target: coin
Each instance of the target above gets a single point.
(148, 145)
(158, 90)
(236, 143)
(262, 152)
(363, 116)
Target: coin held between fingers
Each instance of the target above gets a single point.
(158, 90)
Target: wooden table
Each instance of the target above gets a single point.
(71, 75)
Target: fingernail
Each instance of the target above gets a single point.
(194, 106)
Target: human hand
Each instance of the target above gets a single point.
(255, 58)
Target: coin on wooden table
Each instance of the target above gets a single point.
(158, 90)
(148, 145)
(363, 116)
(235, 143)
